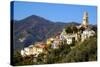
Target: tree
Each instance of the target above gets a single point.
(82, 29)
(86, 51)
(71, 29)
(68, 29)
(74, 28)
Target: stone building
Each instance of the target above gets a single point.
(86, 34)
(34, 50)
(80, 35)
(85, 20)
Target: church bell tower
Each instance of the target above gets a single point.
(85, 20)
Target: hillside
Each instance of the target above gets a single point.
(86, 51)
(35, 28)
(82, 52)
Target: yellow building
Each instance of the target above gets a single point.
(49, 41)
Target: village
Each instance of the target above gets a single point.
(84, 32)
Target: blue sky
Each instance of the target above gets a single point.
(54, 12)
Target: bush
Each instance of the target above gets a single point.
(81, 52)
(86, 51)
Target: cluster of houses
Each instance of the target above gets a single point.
(34, 50)
(55, 42)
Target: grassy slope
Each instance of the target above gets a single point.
(86, 51)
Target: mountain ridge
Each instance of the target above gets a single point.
(35, 28)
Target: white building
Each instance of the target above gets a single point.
(86, 34)
(69, 38)
(31, 50)
(55, 44)
(25, 52)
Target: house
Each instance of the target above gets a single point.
(49, 42)
(25, 52)
(34, 50)
(41, 45)
(62, 35)
(86, 34)
(31, 51)
(69, 38)
(55, 44)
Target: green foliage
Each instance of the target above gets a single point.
(68, 29)
(16, 58)
(81, 52)
(86, 51)
(94, 28)
(55, 55)
(81, 29)
(71, 29)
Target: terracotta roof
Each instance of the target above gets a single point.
(41, 45)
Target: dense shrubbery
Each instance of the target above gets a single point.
(85, 51)
(71, 29)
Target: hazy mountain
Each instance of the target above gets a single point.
(35, 28)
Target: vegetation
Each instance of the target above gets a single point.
(81, 52)
(86, 51)
(71, 29)
(76, 52)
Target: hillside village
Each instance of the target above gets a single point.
(70, 35)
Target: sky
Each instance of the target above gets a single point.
(54, 12)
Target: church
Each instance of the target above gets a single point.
(81, 35)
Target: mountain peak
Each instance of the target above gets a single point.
(33, 17)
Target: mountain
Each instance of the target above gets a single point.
(33, 29)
